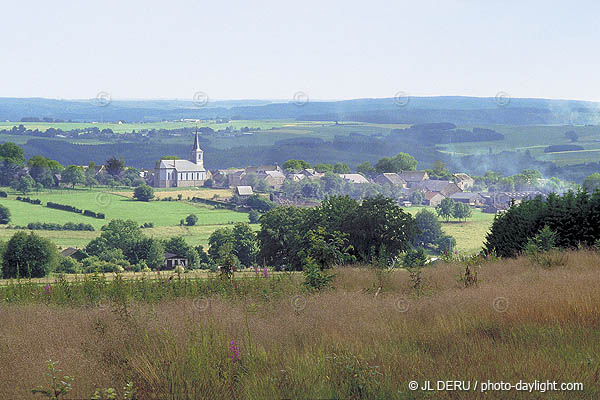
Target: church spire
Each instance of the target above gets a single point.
(196, 142)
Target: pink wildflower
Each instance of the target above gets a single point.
(265, 272)
(47, 289)
(234, 351)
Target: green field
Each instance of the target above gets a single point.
(164, 214)
(469, 235)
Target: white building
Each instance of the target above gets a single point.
(182, 173)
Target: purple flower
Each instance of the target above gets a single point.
(234, 351)
(265, 272)
(255, 270)
(47, 289)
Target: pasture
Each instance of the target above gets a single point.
(164, 214)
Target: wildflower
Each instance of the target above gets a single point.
(234, 351)
(265, 272)
(47, 289)
(255, 270)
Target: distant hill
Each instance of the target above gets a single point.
(455, 109)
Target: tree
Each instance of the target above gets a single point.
(414, 258)
(445, 209)
(24, 184)
(428, 227)
(592, 182)
(191, 220)
(143, 193)
(242, 240)
(29, 256)
(122, 235)
(323, 167)
(257, 202)
(341, 168)
(73, 175)
(400, 162)
(365, 168)
(461, 211)
(295, 165)
(253, 216)
(326, 248)
(572, 135)
(417, 197)
(4, 215)
(218, 239)
(114, 166)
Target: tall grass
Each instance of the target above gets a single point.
(520, 322)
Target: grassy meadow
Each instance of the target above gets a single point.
(164, 214)
(259, 338)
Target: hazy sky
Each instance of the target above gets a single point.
(272, 49)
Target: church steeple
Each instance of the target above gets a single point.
(197, 155)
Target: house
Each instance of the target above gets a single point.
(174, 260)
(446, 188)
(182, 173)
(263, 168)
(463, 181)
(57, 178)
(273, 178)
(390, 178)
(73, 252)
(296, 177)
(244, 191)
(354, 178)
(221, 177)
(311, 173)
(413, 177)
(433, 199)
(472, 199)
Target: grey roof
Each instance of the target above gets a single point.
(464, 195)
(273, 174)
(244, 190)
(354, 178)
(171, 255)
(69, 251)
(412, 176)
(434, 185)
(393, 178)
(180, 166)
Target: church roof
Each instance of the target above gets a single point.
(181, 166)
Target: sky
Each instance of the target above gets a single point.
(274, 49)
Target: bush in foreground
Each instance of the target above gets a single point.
(28, 256)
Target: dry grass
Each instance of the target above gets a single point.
(546, 325)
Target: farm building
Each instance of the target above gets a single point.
(174, 260)
(354, 178)
(463, 181)
(445, 188)
(390, 178)
(413, 177)
(73, 252)
(433, 198)
(472, 199)
(244, 191)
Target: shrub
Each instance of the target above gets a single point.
(29, 256)
(4, 215)
(314, 277)
(143, 193)
(68, 265)
(253, 216)
(3, 193)
(191, 220)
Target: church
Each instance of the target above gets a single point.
(182, 173)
